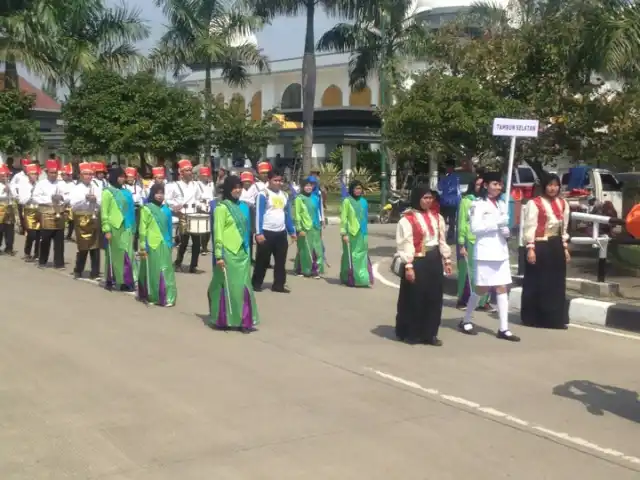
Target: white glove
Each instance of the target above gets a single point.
(506, 233)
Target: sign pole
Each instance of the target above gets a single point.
(512, 154)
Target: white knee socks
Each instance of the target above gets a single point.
(503, 311)
(472, 304)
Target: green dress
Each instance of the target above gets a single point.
(466, 239)
(231, 300)
(156, 278)
(309, 260)
(117, 217)
(355, 265)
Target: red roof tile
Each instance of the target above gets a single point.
(43, 101)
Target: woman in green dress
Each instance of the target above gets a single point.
(308, 222)
(466, 249)
(118, 218)
(232, 303)
(355, 267)
(156, 278)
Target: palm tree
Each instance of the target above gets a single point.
(294, 8)
(209, 35)
(91, 36)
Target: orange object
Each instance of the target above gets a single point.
(184, 164)
(51, 165)
(86, 167)
(205, 171)
(67, 169)
(246, 177)
(131, 172)
(516, 194)
(4, 170)
(157, 172)
(633, 222)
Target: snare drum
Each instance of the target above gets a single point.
(31, 217)
(51, 218)
(6, 212)
(198, 223)
(87, 229)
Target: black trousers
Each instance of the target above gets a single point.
(450, 213)
(33, 240)
(47, 238)
(7, 234)
(275, 244)
(69, 230)
(81, 261)
(205, 242)
(195, 249)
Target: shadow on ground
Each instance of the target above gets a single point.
(599, 399)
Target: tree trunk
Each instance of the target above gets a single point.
(207, 109)
(11, 74)
(308, 90)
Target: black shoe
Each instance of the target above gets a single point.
(177, 267)
(280, 290)
(11, 253)
(470, 330)
(507, 335)
(77, 275)
(195, 270)
(257, 288)
(434, 342)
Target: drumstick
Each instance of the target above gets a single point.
(309, 250)
(146, 264)
(226, 288)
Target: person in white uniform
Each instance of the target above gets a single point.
(184, 198)
(490, 224)
(207, 194)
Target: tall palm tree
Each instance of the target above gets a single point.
(91, 35)
(308, 8)
(209, 35)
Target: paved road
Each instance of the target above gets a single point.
(94, 385)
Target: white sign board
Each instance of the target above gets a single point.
(512, 127)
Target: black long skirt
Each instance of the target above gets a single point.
(419, 310)
(544, 287)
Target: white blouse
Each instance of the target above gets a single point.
(404, 238)
(553, 225)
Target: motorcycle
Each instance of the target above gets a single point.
(393, 210)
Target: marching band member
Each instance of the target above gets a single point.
(490, 224)
(156, 279)
(422, 247)
(248, 197)
(158, 176)
(99, 173)
(117, 215)
(8, 210)
(50, 198)
(66, 186)
(85, 206)
(207, 193)
(184, 198)
(546, 222)
(21, 178)
(308, 221)
(231, 298)
(355, 266)
(273, 223)
(133, 185)
(30, 213)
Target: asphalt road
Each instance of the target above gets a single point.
(94, 385)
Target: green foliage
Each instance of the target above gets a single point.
(234, 133)
(363, 175)
(111, 114)
(330, 177)
(445, 114)
(19, 133)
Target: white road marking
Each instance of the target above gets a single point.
(378, 276)
(580, 442)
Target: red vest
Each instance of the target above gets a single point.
(416, 227)
(542, 213)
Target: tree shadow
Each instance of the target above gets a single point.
(599, 399)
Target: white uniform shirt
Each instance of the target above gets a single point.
(25, 192)
(248, 196)
(553, 224)
(6, 192)
(404, 236)
(45, 190)
(182, 193)
(78, 197)
(18, 179)
(207, 191)
(66, 188)
(489, 223)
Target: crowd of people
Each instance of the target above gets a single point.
(137, 226)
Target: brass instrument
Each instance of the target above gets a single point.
(56, 202)
(93, 202)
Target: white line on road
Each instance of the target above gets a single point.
(565, 437)
(378, 276)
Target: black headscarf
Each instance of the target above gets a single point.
(353, 185)
(155, 188)
(417, 193)
(114, 174)
(471, 188)
(230, 183)
(548, 178)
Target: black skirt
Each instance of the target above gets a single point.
(419, 310)
(544, 287)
